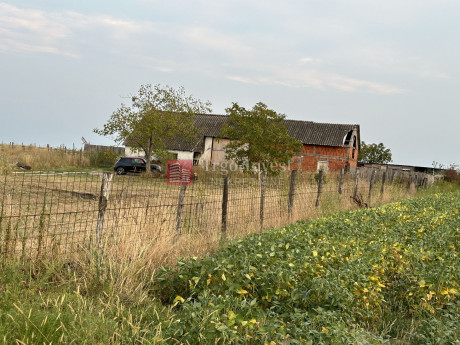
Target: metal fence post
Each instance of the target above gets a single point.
(103, 200)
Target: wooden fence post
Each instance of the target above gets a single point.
(262, 199)
(103, 200)
(180, 208)
(355, 191)
(371, 185)
(409, 181)
(291, 193)
(341, 181)
(224, 209)
(320, 187)
(382, 188)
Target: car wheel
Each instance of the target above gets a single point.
(120, 171)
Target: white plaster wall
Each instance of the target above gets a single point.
(206, 155)
(129, 151)
(183, 154)
(218, 153)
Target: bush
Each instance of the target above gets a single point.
(102, 158)
(453, 174)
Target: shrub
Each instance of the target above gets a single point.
(453, 174)
(102, 158)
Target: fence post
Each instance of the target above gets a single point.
(417, 181)
(262, 199)
(355, 191)
(382, 188)
(341, 181)
(320, 187)
(103, 200)
(291, 193)
(224, 209)
(409, 181)
(180, 208)
(371, 185)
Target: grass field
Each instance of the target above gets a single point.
(55, 159)
(388, 275)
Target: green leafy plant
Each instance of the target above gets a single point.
(157, 116)
(374, 153)
(258, 139)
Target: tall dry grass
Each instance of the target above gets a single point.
(49, 158)
(51, 215)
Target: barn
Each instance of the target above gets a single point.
(327, 146)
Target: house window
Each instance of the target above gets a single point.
(196, 158)
(347, 138)
(324, 165)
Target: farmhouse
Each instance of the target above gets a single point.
(325, 145)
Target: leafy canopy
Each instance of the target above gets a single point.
(157, 116)
(374, 153)
(258, 138)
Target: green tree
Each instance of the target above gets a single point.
(157, 116)
(374, 153)
(258, 138)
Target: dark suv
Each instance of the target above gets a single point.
(133, 164)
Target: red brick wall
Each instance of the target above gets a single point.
(337, 157)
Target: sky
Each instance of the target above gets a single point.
(391, 66)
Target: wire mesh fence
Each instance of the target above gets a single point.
(53, 214)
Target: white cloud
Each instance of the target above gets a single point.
(298, 77)
(211, 39)
(31, 30)
(260, 57)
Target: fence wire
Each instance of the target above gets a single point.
(51, 214)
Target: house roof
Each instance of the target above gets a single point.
(307, 132)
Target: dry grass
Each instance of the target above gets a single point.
(45, 215)
(44, 158)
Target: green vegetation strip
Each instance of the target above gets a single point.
(377, 276)
(355, 278)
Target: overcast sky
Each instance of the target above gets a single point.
(390, 66)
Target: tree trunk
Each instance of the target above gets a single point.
(148, 156)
